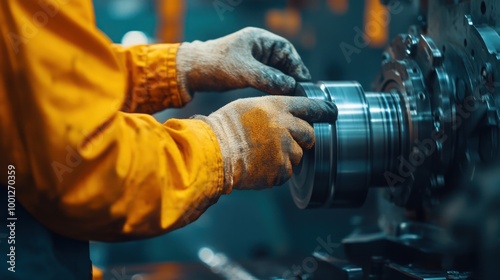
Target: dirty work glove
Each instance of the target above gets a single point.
(251, 57)
(262, 138)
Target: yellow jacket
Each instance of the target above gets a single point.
(89, 164)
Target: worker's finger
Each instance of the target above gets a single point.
(303, 133)
(279, 53)
(270, 80)
(312, 110)
(296, 150)
(284, 174)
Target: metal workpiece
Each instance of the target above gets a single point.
(428, 133)
(431, 119)
(354, 152)
(312, 178)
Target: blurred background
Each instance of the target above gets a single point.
(337, 39)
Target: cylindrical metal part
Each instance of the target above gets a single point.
(352, 153)
(388, 133)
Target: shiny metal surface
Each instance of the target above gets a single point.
(354, 152)
(353, 144)
(434, 114)
(430, 133)
(312, 178)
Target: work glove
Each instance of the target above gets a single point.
(251, 57)
(262, 138)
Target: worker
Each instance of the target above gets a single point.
(89, 162)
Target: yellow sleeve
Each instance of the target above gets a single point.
(151, 78)
(84, 168)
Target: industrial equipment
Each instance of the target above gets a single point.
(428, 136)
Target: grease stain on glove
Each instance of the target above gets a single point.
(251, 57)
(262, 138)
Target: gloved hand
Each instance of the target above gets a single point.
(251, 57)
(262, 138)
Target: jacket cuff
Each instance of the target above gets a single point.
(158, 88)
(213, 148)
(210, 157)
